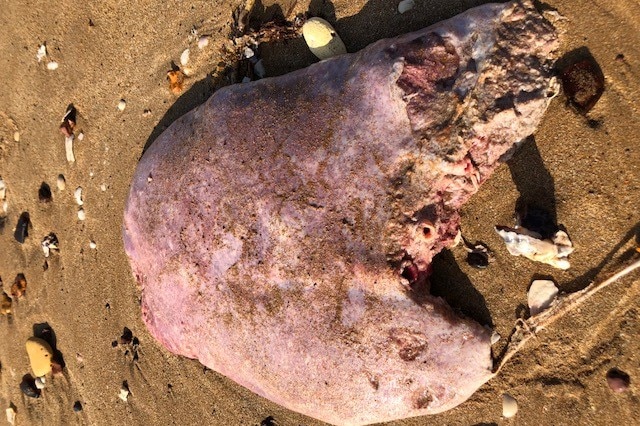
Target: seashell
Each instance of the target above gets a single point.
(3, 189)
(28, 387)
(322, 39)
(203, 42)
(522, 242)
(11, 415)
(16, 136)
(406, 5)
(68, 148)
(77, 194)
(40, 382)
(122, 105)
(61, 183)
(509, 406)
(52, 66)
(42, 52)
(184, 57)
(81, 136)
(50, 242)
(92, 245)
(124, 392)
(81, 214)
(541, 295)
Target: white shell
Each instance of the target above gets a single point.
(123, 394)
(16, 136)
(541, 295)
(61, 183)
(203, 42)
(80, 136)
(77, 194)
(68, 147)
(39, 382)
(509, 406)
(322, 39)
(81, 214)
(11, 416)
(259, 69)
(184, 57)
(103, 187)
(92, 245)
(495, 337)
(53, 65)
(406, 5)
(122, 105)
(522, 242)
(42, 52)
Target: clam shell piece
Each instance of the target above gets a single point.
(521, 242)
(541, 295)
(322, 39)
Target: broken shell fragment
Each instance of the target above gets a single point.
(68, 148)
(124, 392)
(541, 295)
(203, 42)
(81, 214)
(77, 194)
(40, 382)
(19, 286)
(322, 39)
(5, 304)
(522, 242)
(50, 242)
(618, 380)
(28, 387)
(184, 57)
(52, 66)
(61, 183)
(406, 5)
(122, 105)
(40, 356)
(3, 189)
(11, 415)
(41, 53)
(509, 406)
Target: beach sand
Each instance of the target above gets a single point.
(587, 169)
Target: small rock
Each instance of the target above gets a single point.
(40, 356)
(541, 295)
(184, 57)
(28, 387)
(92, 245)
(81, 136)
(406, 5)
(22, 228)
(81, 214)
(44, 193)
(122, 105)
(618, 380)
(77, 406)
(52, 66)
(5, 304)
(19, 287)
(77, 194)
(583, 83)
(11, 415)
(16, 136)
(203, 42)
(40, 382)
(127, 336)
(61, 182)
(509, 406)
(322, 39)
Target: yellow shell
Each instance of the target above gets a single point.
(40, 355)
(322, 39)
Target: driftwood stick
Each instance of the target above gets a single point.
(526, 329)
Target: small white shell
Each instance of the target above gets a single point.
(495, 337)
(80, 136)
(203, 42)
(541, 295)
(77, 194)
(406, 5)
(61, 182)
(53, 65)
(16, 136)
(39, 382)
(322, 39)
(42, 52)
(68, 147)
(81, 214)
(509, 406)
(123, 394)
(184, 57)
(92, 245)
(122, 105)
(11, 416)
(103, 187)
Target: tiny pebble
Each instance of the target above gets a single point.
(80, 136)
(81, 214)
(16, 136)
(61, 183)
(184, 57)
(92, 245)
(122, 105)
(77, 406)
(406, 5)
(28, 387)
(11, 416)
(53, 65)
(509, 406)
(40, 382)
(618, 380)
(203, 42)
(77, 194)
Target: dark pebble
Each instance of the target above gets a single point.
(22, 228)
(478, 259)
(269, 421)
(44, 193)
(618, 380)
(583, 84)
(28, 387)
(77, 406)
(127, 336)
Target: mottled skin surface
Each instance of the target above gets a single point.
(282, 232)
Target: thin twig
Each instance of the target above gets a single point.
(526, 329)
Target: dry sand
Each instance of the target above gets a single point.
(591, 174)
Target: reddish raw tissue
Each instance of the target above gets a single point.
(286, 254)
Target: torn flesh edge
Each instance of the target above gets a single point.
(526, 329)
